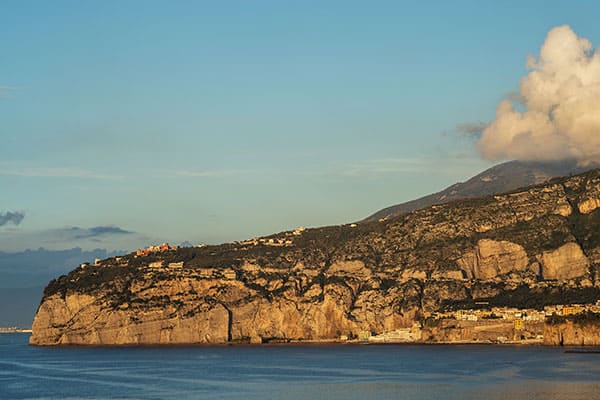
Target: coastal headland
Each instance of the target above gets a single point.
(519, 267)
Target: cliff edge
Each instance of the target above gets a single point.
(530, 248)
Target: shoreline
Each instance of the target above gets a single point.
(317, 343)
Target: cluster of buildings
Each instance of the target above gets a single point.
(411, 334)
(491, 325)
(280, 241)
(572, 309)
(155, 249)
(505, 313)
(516, 314)
(267, 242)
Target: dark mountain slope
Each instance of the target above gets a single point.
(498, 179)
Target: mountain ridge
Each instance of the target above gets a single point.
(498, 179)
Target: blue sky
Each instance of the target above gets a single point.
(218, 121)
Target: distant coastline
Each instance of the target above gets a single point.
(13, 329)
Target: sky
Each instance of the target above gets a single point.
(128, 123)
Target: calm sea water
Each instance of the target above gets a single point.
(295, 372)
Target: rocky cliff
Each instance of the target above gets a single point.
(529, 248)
(572, 334)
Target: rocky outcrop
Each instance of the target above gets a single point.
(590, 199)
(572, 334)
(57, 323)
(492, 258)
(589, 205)
(566, 262)
(240, 315)
(529, 248)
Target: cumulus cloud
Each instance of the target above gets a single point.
(560, 114)
(14, 217)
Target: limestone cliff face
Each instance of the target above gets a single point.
(492, 258)
(93, 324)
(190, 309)
(572, 334)
(529, 248)
(566, 262)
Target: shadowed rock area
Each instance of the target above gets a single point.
(530, 248)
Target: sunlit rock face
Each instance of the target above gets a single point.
(566, 262)
(531, 247)
(572, 334)
(492, 258)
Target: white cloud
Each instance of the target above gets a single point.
(561, 100)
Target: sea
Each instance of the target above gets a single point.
(296, 372)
